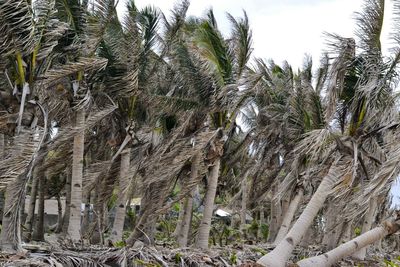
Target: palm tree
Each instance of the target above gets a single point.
(357, 84)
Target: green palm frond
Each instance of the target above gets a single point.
(212, 46)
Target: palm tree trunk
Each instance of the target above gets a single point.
(38, 234)
(282, 252)
(346, 249)
(2, 155)
(367, 224)
(243, 209)
(262, 221)
(183, 235)
(60, 215)
(67, 202)
(118, 226)
(289, 216)
(74, 226)
(179, 222)
(32, 205)
(275, 215)
(205, 224)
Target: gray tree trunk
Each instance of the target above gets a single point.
(282, 252)
(118, 226)
(38, 233)
(74, 226)
(205, 224)
(289, 215)
(346, 249)
(67, 202)
(276, 212)
(243, 209)
(60, 215)
(32, 205)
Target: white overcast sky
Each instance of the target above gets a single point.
(284, 29)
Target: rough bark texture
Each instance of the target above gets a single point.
(32, 205)
(179, 222)
(74, 227)
(2, 155)
(243, 209)
(367, 224)
(60, 215)
(118, 226)
(186, 221)
(183, 235)
(262, 221)
(38, 234)
(282, 252)
(205, 224)
(67, 203)
(275, 215)
(346, 249)
(289, 216)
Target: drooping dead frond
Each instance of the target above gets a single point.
(344, 48)
(83, 64)
(16, 27)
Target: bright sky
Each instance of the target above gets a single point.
(282, 30)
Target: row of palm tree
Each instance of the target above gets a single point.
(101, 109)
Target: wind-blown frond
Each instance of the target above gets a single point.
(52, 76)
(16, 27)
(370, 22)
(242, 39)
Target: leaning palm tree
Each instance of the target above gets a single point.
(360, 83)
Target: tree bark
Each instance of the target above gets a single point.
(282, 252)
(289, 216)
(60, 215)
(32, 205)
(179, 222)
(183, 235)
(262, 221)
(74, 226)
(276, 211)
(367, 224)
(67, 211)
(38, 234)
(118, 226)
(243, 209)
(205, 224)
(346, 249)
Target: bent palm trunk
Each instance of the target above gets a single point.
(289, 216)
(282, 252)
(346, 249)
(118, 226)
(205, 224)
(74, 225)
